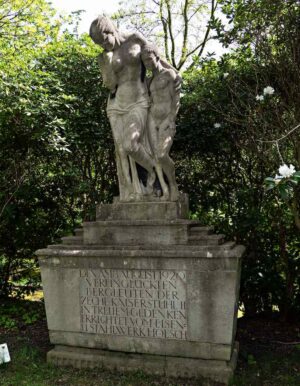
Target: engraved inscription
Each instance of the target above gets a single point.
(133, 302)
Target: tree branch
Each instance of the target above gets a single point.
(165, 29)
(185, 34)
(170, 27)
(212, 13)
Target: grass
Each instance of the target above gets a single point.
(261, 361)
(29, 368)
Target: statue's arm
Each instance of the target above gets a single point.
(167, 65)
(174, 86)
(137, 37)
(108, 75)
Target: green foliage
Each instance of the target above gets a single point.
(16, 314)
(57, 152)
(251, 360)
(25, 26)
(233, 111)
(58, 156)
(7, 322)
(284, 186)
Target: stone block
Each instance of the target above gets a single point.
(198, 302)
(206, 370)
(137, 232)
(155, 210)
(141, 292)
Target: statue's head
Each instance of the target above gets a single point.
(150, 56)
(104, 32)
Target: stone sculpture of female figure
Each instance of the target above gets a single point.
(164, 90)
(128, 104)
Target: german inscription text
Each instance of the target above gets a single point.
(133, 302)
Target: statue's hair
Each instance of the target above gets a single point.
(101, 24)
(150, 48)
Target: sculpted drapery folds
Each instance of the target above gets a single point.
(141, 111)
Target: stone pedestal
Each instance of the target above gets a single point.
(145, 288)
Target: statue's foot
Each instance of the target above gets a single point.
(174, 194)
(131, 197)
(166, 195)
(134, 196)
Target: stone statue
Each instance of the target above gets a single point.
(141, 112)
(164, 87)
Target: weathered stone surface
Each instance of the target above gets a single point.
(221, 253)
(136, 232)
(212, 309)
(155, 210)
(207, 370)
(137, 290)
(204, 301)
(142, 345)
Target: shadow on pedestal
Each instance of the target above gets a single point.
(143, 287)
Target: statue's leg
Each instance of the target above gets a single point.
(121, 180)
(168, 168)
(125, 183)
(162, 182)
(134, 129)
(166, 163)
(153, 133)
(135, 178)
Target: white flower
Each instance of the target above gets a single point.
(225, 75)
(260, 97)
(286, 171)
(268, 90)
(217, 125)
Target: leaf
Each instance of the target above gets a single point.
(296, 177)
(294, 181)
(270, 187)
(283, 192)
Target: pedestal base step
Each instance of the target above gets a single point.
(212, 370)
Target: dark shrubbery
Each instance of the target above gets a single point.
(58, 155)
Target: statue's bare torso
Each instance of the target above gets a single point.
(161, 91)
(123, 72)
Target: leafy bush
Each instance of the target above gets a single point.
(233, 131)
(236, 126)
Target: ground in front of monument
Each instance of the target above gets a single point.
(266, 357)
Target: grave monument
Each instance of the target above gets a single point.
(142, 287)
